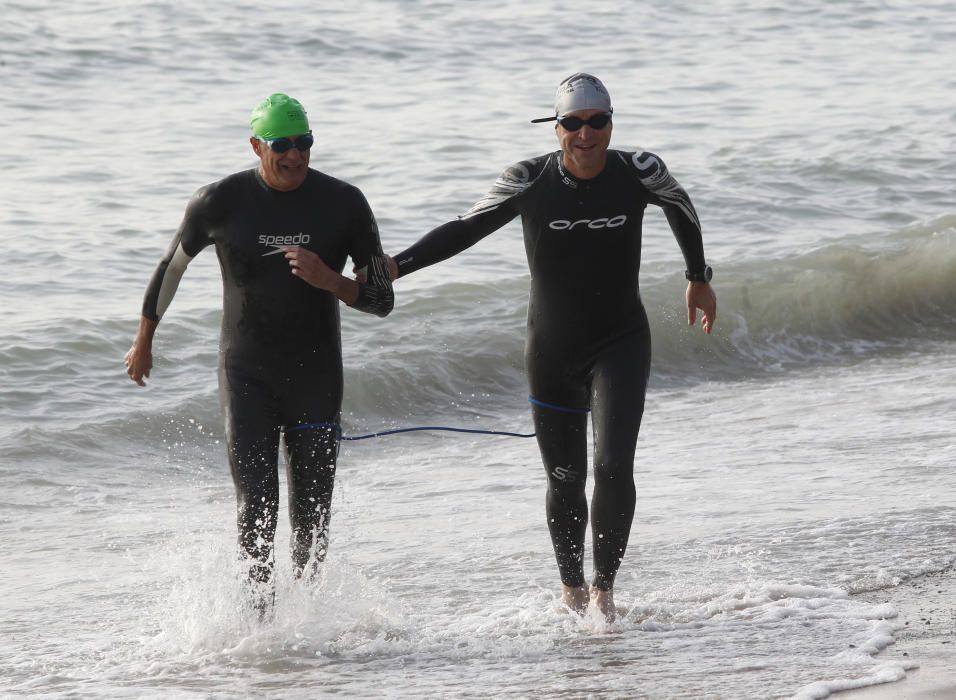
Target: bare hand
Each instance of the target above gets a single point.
(700, 295)
(311, 268)
(139, 360)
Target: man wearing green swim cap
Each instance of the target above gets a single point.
(283, 232)
(276, 119)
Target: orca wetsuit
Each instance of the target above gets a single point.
(280, 362)
(588, 343)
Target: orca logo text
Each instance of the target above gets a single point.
(565, 225)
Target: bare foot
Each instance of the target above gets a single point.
(576, 598)
(604, 602)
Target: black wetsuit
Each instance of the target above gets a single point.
(280, 349)
(588, 343)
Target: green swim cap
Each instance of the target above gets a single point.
(278, 115)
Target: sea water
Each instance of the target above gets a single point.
(790, 464)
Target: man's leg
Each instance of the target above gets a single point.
(562, 439)
(311, 475)
(619, 384)
(252, 439)
(312, 396)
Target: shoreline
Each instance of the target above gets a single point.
(927, 611)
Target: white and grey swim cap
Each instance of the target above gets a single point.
(579, 91)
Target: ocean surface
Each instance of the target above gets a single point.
(794, 462)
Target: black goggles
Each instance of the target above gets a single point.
(301, 143)
(598, 121)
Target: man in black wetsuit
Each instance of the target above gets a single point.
(282, 232)
(588, 344)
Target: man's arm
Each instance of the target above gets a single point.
(664, 191)
(374, 294)
(165, 280)
(491, 212)
(371, 291)
(162, 287)
(448, 240)
(164, 283)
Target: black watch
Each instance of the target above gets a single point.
(704, 275)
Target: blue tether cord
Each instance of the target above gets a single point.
(396, 431)
(563, 409)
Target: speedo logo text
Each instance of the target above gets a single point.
(612, 222)
(278, 242)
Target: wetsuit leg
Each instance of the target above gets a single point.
(311, 475)
(312, 454)
(252, 439)
(618, 387)
(562, 439)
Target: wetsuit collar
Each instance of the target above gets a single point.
(260, 181)
(575, 182)
(265, 186)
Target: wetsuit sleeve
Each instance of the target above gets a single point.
(375, 294)
(192, 237)
(489, 213)
(664, 191)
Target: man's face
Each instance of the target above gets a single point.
(585, 150)
(281, 171)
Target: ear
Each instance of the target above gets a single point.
(256, 145)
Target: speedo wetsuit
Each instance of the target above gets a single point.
(588, 343)
(280, 346)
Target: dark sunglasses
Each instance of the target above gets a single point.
(598, 121)
(301, 143)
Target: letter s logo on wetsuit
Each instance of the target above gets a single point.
(612, 222)
(565, 474)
